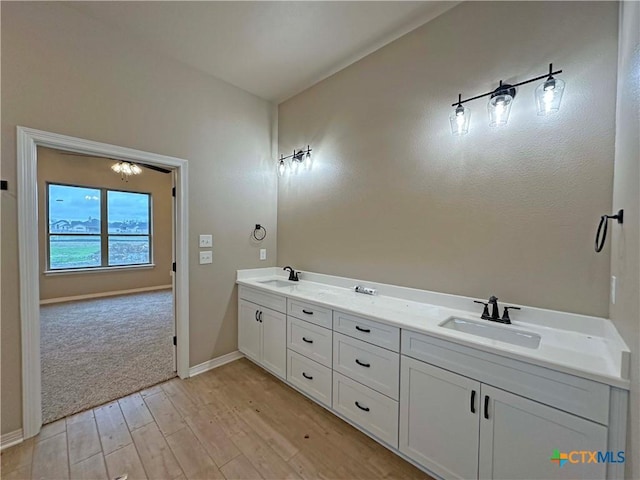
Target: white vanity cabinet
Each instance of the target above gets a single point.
(439, 419)
(461, 427)
(262, 331)
(366, 376)
(456, 409)
(309, 343)
(518, 436)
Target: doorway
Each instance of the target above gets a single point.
(106, 295)
(28, 142)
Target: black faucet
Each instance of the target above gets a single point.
(495, 311)
(293, 275)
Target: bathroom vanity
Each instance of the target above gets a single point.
(421, 373)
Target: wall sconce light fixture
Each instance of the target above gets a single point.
(297, 159)
(548, 97)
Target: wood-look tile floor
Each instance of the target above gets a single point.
(234, 422)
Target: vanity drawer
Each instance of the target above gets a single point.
(269, 300)
(376, 367)
(370, 410)
(310, 377)
(370, 331)
(309, 340)
(310, 312)
(572, 394)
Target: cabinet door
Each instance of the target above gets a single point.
(439, 416)
(274, 341)
(249, 329)
(519, 437)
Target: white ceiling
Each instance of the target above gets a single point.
(271, 49)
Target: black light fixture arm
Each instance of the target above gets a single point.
(297, 154)
(506, 87)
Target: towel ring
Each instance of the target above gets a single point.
(259, 233)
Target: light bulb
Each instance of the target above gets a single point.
(549, 95)
(307, 160)
(281, 167)
(499, 108)
(294, 165)
(459, 120)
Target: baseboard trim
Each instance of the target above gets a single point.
(10, 439)
(103, 294)
(215, 363)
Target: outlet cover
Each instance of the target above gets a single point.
(263, 254)
(614, 282)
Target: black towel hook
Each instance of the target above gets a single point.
(604, 222)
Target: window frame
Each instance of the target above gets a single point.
(104, 234)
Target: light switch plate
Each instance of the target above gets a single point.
(206, 257)
(263, 254)
(206, 241)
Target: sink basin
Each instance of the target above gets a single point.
(485, 328)
(278, 283)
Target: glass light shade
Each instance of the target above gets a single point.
(294, 165)
(307, 160)
(549, 95)
(282, 168)
(126, 168)
(459, 120)
(499, 108)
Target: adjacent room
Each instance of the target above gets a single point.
(106, 296)
(320, 240)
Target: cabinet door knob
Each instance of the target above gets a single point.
(364, 330)
(473, 401)
(362, 364)
(486, 407)
(305, 339)
(366, 409)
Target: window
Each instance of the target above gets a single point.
(97, 227)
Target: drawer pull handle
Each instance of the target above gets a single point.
(304, 339)
(308, 312)
(366, 409)
(364, 330)
(308, 377)
(486, 407)
(473, 401)
(367, 365)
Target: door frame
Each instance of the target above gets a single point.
(28, 140)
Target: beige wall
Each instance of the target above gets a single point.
(63, 72)
(625, 252)
(394, 197)
(59, 167)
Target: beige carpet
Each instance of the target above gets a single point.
(94, 351)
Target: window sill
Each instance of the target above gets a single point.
(72, 271)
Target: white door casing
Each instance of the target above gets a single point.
(28, 140)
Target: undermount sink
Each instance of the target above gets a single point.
(277, 283)
(502, 333)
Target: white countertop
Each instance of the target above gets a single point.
(588, 347)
